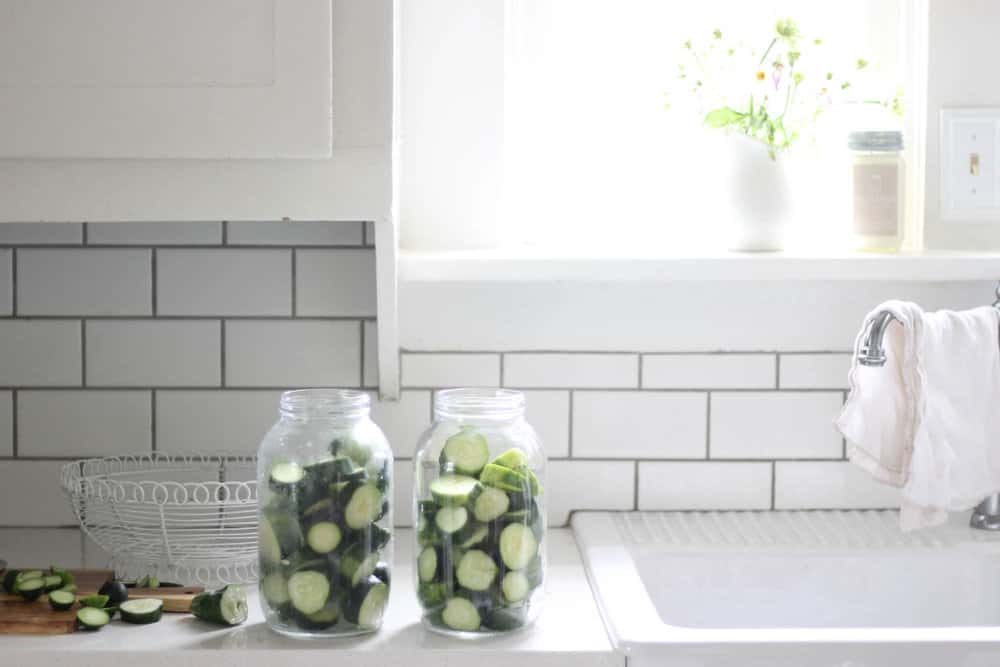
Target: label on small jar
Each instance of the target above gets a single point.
(876, 199)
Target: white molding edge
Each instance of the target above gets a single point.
(917, 19)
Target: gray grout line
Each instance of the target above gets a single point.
(193, 318)
(152, 419)
(13, 282)
(154, 287)
(640, 370)
(777, 371)
(295, 271)
(560, 459)
(502, 381)
(364, 234)
(361, 328)
(663, 353)
(13, 424)
(225, 233)
(671, 390)
(183, 246)
(222, 353)
(85, 234)
(144, 388)
(774, 482)
(83, 353)
(635, 488)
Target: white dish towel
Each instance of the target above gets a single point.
(928, 421)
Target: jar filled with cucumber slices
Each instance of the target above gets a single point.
(325, 539)
(479, 514)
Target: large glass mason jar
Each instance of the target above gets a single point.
(325, 487)
(479, 514)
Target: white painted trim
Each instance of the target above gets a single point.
(514, 267)
(917, 20)
(945, 118)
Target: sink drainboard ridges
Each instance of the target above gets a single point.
(806, 529)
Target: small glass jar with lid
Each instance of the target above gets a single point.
(325, 536)
(877, 189)
(479, 515)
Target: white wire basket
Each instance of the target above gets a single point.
(185, 518)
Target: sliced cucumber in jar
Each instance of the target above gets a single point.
(467, 451)
(518, 546)
(451, 519)
(454, 490)
(515, 586)
(364, 507)
(490, 504)
(285, 475)
(367, 603)
(274, 588)
(476, 570)
(460, 614)
(323, 537)
(308, 591)
(476, 535)
(357, 564)
(427, 564)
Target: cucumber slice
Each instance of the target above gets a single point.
(451, 519)
(95, 601)
(508, 618)
(322, 619)
(467, 451)
(518, 546)
(490, 504)
(9, 579)
(65, 575)
(274, 588)
(477, 535)
(453, 490)
(308, 591)
(515, 459)
(287, 472)
(505, 478)
(364, 507)
(31, 589)
(92, 618)
(228, 605)
(432, 595)
(61, 600)
(52, 581)
(323, 537)
(147, 610)
(367, 603)
(476, 570)
(515, 586)
(461, 614)
(427, 564)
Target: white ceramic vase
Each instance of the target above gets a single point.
(760, 197)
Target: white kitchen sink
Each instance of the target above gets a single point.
(802, 589)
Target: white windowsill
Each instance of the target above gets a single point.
(537, 265)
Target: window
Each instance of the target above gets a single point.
(585, 154)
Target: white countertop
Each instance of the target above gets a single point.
(569, 632)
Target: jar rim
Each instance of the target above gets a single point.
(324, 402)
(488, 402)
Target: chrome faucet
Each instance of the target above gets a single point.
(986, 515)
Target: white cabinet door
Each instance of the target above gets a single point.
(175, 79)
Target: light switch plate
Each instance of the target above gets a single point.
(970, 173)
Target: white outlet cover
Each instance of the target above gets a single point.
(970, 177)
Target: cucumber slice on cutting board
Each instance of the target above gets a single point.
(61, 600)
(92, 618)
(143, 611)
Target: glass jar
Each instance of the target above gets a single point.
(479, 515)
(325, 486)
(877, 186)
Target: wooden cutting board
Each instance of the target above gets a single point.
(18, 616)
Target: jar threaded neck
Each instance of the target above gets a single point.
(486, 403)
(324, 404)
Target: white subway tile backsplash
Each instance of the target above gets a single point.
(155, 233)
(704, 486)
(294, 233)
(35, 484)
(370, 361)
(6, 423)
(84, 281)
(578, 370)
(268, 353)
(548, 413)
(34, 233)
(450, 370)
(404, 420)
(224, 282)
(39, 353)
(584, 485)
(22, 546)
(633, 424)
(829, 485)
(335, 282)
(814, 371)
(708, 371)
(213, 421)
(6, 282)
(78, 423)
(153, 353)
(766, 425)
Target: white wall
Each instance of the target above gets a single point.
(963, 54)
